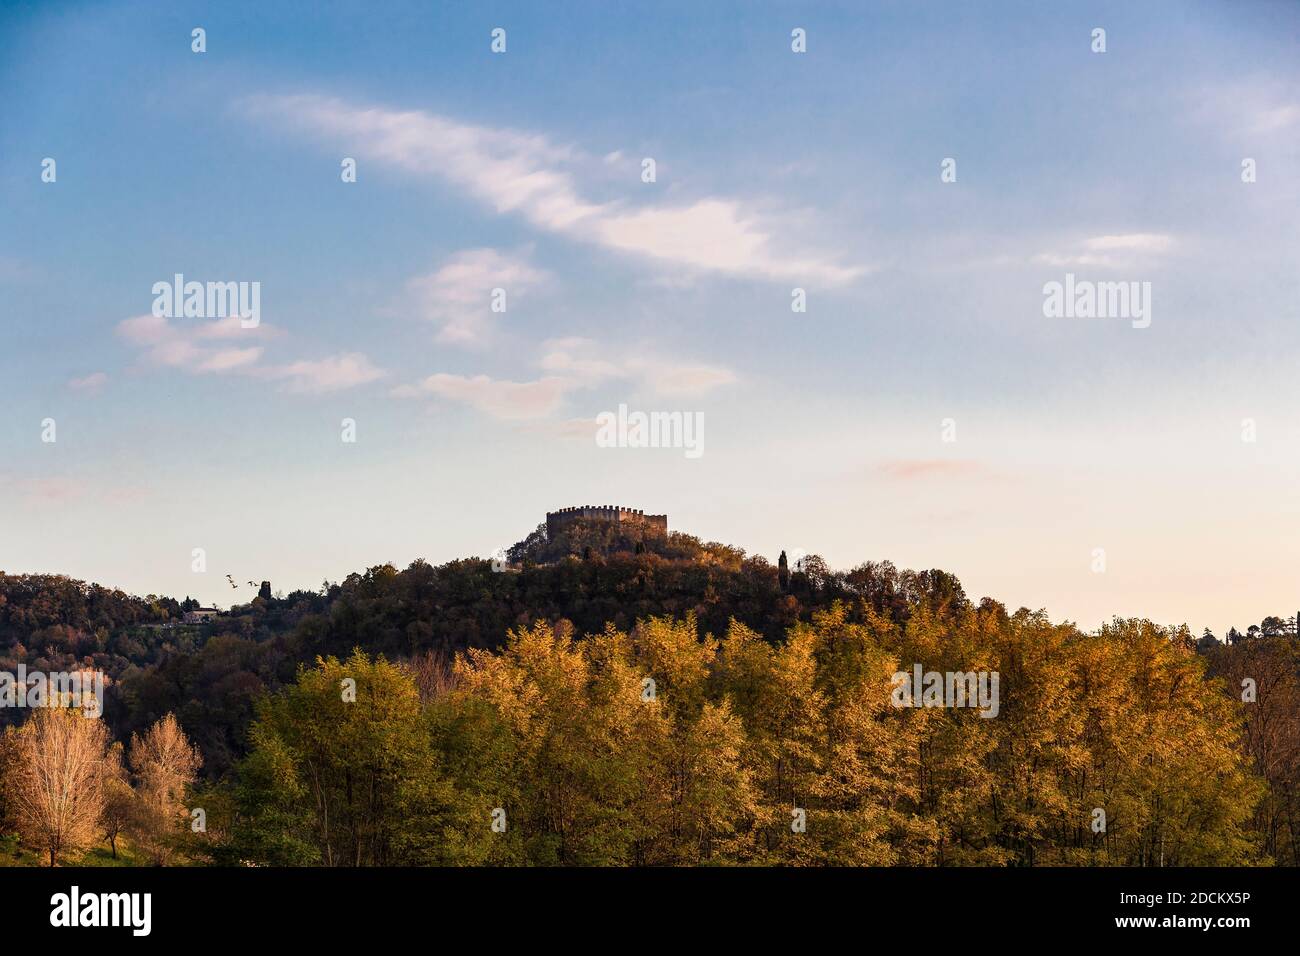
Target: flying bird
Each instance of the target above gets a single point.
(232, 581)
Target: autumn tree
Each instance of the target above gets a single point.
(773, 691)
(432, 672)
(588, 749)
(121, 805)
(165, 765)
(1265, 678)
(54, 787)
(662, 745)
(612, 752)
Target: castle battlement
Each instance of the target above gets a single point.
(630, 518)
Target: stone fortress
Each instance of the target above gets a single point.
(628, 519)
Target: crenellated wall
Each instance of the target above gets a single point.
(629, 517)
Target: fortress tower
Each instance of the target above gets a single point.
(626, 518)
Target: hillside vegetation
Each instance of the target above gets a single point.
(605, 701)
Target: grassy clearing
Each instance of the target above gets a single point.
(14, 854)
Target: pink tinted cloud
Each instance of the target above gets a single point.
(917, 469)
(89, 383)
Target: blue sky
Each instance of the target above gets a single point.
(775, 170)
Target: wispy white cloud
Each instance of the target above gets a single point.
(330, 374)
(191, 348)
(569, 365)
(227, 359)
(458, 295)
(232, 327)
(576, 358)
(582, 359)
(500, 398)
(1270, 119)
(1109, 251)
(667, 378)
(527, 175)
(1259, 107)
(1130, 242)
(89, 383)
(187, 346)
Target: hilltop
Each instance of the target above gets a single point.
(592, 575)
(733, 640)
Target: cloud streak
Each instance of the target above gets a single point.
(1110, 251)
(524, 174)
(919, 469)
(568, 365)
(206, 348)
(89, 383)
(500, 398)
(331, 374)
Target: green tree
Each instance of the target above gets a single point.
(342, 771)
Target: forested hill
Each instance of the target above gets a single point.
(211, 675)
(465, 603)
